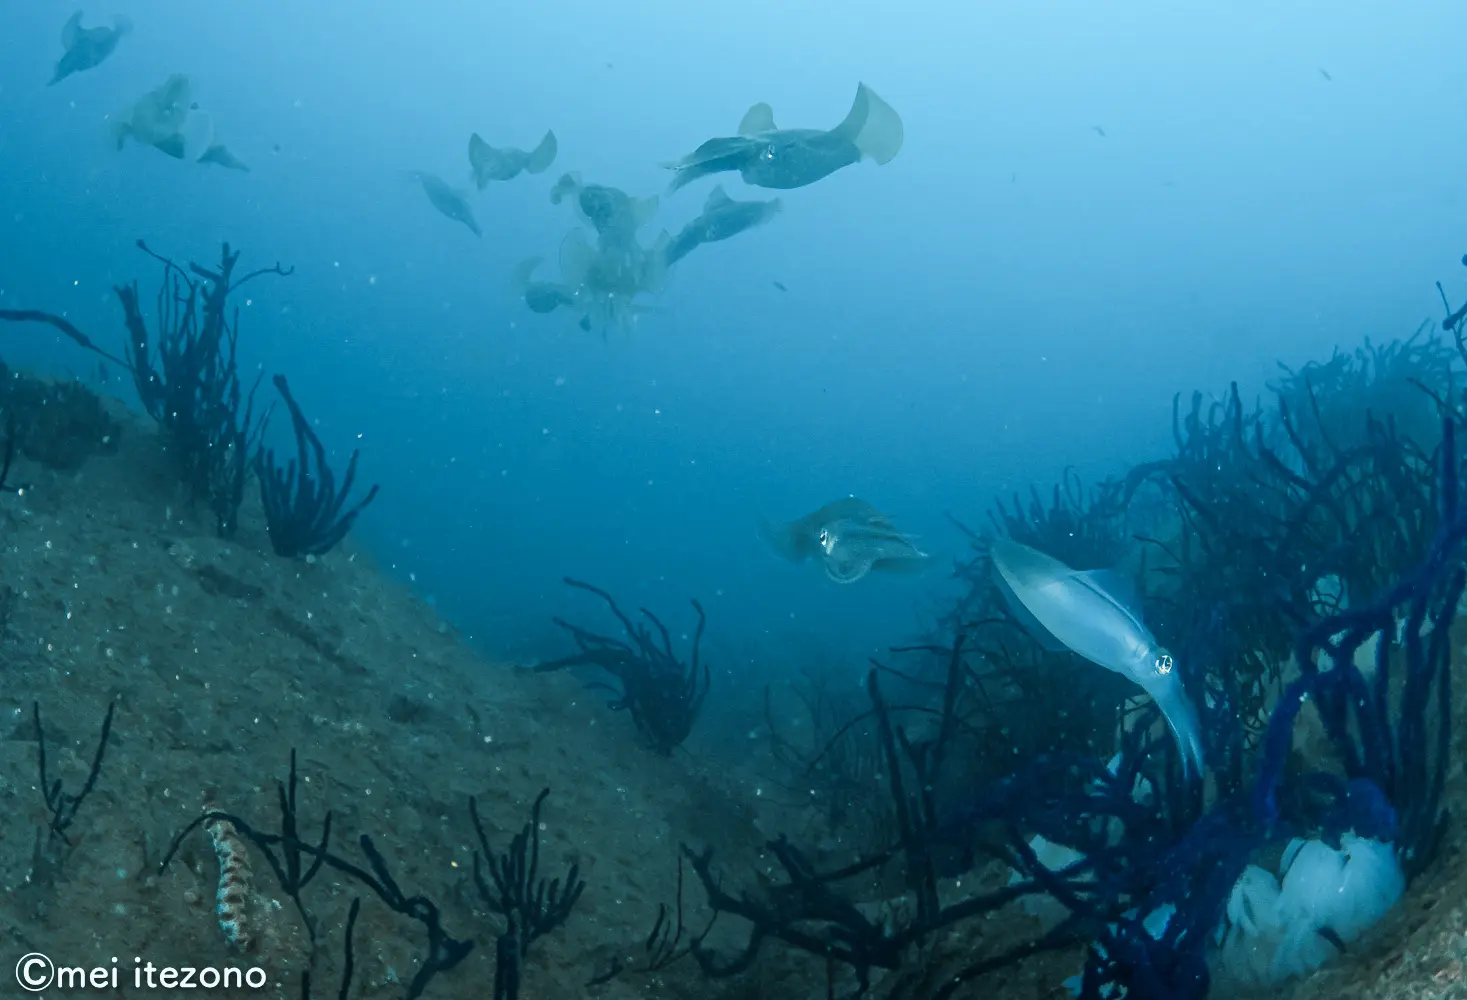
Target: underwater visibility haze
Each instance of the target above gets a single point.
(905, 502)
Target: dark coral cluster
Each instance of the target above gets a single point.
(185, 370)
(58, 424)
(305, 511)
(1305, 553)
(187, 377)
(662, 694)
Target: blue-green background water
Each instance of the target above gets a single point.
(1014, 293)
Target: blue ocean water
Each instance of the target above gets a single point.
(1095, 208)
(1094, 211)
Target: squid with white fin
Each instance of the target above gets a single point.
(722, 218)
(541, 296)
(488, 163)
(615, 215)
(1091, 614)
(452, 203)
(772, 157)
(169, 119)
(849, 538)
(606, 281)
(86, 48)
